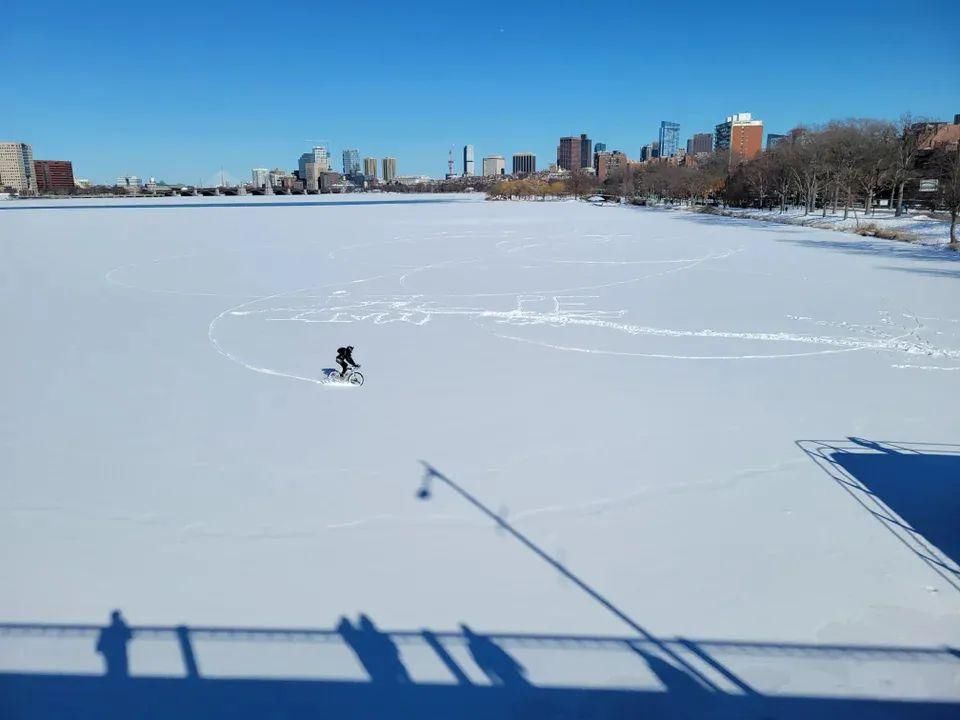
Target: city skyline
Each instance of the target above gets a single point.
(189, 100)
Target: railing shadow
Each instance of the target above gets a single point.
(913, 489)
(486, 676)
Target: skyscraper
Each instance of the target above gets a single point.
(586, 151)
(370, 168)
(669, 138)
(16, 167)
(524, 163)
(568, 153)
(309, 171)
(351, 162)
(261, 177)
(321, 156)
(54, 175)
(741, 136)
(389, 169)
(468, 169)
(494, 165)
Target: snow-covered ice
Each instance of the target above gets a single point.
(732, 432)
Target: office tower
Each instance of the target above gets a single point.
(599, 147)
(321, 156)
(389, 169)
(669, 138)
(569, 153)
(586, 151)
(370, 168)
(54, 176)
(524, 163)
(741, 136)
(260, 176)
(351, 162)
(468, 168)
(16, 167)
(494, 165)
(309, 171)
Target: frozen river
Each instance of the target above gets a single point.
(688, 426)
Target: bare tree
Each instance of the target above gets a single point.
(904, 159)
(874, 153)
(581, 182)
(947, 163)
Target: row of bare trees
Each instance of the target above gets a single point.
(843, 166)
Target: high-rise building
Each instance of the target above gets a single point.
(741, 136)
(276, 177)
(389, 169)
(721, 135)
(370, 168)
(669, 138)
(54, 176)
(260, 176)
(16, 167)
(586, 151)
(700, 143)
(773, 139)
(568, 153)
(524, 163)
(468, 169)
(321, 156)
(309, 171)
(351, 162)
(494, 165)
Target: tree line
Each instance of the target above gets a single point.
(842, 166)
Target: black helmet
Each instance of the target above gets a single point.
(350, 348)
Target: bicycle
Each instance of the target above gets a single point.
(352, 376)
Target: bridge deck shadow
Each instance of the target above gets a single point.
(912, 488)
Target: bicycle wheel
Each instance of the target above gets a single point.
(355, 378)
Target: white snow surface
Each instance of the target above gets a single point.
(646, 396)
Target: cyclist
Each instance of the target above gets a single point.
(345, 358)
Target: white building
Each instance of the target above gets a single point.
(494, 165)
(16, 167)
(261, 176)
(468, 169)
(321, 156)
(276, 177)
(414, 179)
(130, 183)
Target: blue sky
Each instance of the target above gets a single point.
(175, 90)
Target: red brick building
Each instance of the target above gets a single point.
(54, 176)
(746, 141)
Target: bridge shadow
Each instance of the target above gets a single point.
(470, 674)
(913, 489)
(486, 678)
